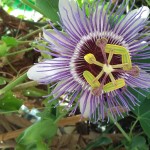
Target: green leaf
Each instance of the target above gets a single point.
(141, 97)
(18, 5)
(40, 131)
(42, 146)
(9, 102)
(99, 142)
(49, 8)
(81, 2)
(3, 81)
(143, 114)
(138, 142)
(3, 49)
(10, 41)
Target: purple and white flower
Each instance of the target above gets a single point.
(97, 58)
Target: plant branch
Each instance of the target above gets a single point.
(119, 127)
(13, 83)
(21, 51)
(130, 134)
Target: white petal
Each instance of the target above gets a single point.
(83, 99)
(55, 35)
(142, 14)
(99, 21)
(65, 8)
(145, 11)
(34, 75)
(43, 70)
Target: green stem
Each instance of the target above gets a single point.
(119, 127)
(23, 42)
(11, 66)
(59, 117)
(34, 32)
(21, 51)
(25, 85)
(13, 83)
(130, 134)
(8, 112)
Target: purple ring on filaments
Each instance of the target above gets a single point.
(98, 58)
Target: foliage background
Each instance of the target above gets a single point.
(27, 120)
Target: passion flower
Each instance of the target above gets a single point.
(96, 58)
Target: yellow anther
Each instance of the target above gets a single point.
(119, 65)
(116, 49)
(126, 59)
(111, 87)
(112, 78)
(89, 77)
(107, 68)
(90, 58)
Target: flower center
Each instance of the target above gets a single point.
(99, 64)
(107, 68)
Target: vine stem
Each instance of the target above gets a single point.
(119, 127)
(133, 127)
(21, 51)
(11, 66)
(33, 33)
(13, 83)
(25, 85)
(59, 118)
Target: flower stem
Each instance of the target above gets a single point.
(11, 66)
(119, 127)
(60, 117)
(130, 134)
(33, 33)
(21, 51)
(13, 83)
(25, 85)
